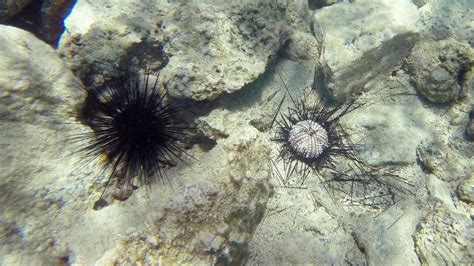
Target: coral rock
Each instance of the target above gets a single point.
(358, 39)
(439, 69)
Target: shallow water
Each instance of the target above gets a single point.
(389, 82)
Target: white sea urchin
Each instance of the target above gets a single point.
(308, 139)
(311, 136)
(312, 139)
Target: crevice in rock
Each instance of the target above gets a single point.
(43, 18)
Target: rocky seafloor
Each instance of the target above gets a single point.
(409, 62)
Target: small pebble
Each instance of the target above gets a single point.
(248, 174)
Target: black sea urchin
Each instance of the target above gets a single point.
(136, 130)
(310, 136)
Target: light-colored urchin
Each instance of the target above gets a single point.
(308, 139)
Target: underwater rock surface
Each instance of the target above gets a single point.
(441, 237)
(35, 84)
(39, 97)
(209, 219)
(358, 34)
(466, 189)
(236, 66)
(211, 50)
(441, 69)
(48, 198)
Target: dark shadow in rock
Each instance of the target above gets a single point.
(43, 18)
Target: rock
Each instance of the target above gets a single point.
(234, 49)
(391, 132)
(36, 259)
(430, 155)
(443, 237)
(40, 97)
(318, 236)
(52, 16)
(446, 19)
(209, 219)
(303, 46)
(207, 215)
(262, 121)
(298, 15)
(43, 18)
(314, 4)
(435, 157)
(214, 125)
(358, 39)
(438, 69)
(420, 3)
(359, 75)
(470, 126)
(36, 85)
(208, 50)
(466, 189)
(99, 37)
(11, 8)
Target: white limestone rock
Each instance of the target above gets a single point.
(444, 236)
(441, 19)
(470, 122)
(420, 3)
(39, 97)
(101, 35)
(211, 49)
(210, 217)
(358, 34)
(212, 52)
(215, 125)
(35, 84)
(390, 132)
